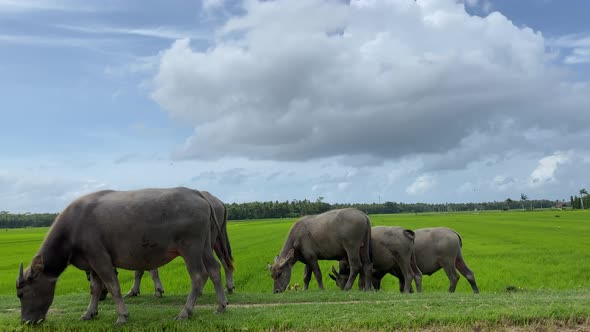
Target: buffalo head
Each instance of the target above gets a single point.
(280, 271)
(35, 290)
(341, 277)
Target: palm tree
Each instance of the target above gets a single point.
(583, 192)
(508, 202)
(523, 198)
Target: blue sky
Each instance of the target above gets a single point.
(433, 101)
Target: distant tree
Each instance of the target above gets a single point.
(523, 199)
(583, 193)
(508, 203)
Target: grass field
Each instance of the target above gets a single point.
(543, 255)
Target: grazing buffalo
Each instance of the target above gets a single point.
(393, 250)
(440, 247)
(333, 235)
(134, 230)
(435, 248)
(226, 261)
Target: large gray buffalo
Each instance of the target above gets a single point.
(435, 248)
(333, 235)
(226, 261)
(133, 230)
(392, 252)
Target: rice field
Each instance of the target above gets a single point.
(531, 267)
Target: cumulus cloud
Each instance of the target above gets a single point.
(298, 80)
(545, 171)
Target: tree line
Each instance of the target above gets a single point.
(298, 208)
(582, 202)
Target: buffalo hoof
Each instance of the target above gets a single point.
(184, 314)
(158, 293)
(89, 315)
(121, 320)
(221, 309)
(230, 289)
(132, 293)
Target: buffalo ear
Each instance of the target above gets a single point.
(290, 256)
(37, 265)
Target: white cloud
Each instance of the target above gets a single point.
(421, 185)
(212, 4)
(502, 183)
(485, 5)
(545, 171)
(18, 6)
(294, 80)
(162, 32)
(576, 46)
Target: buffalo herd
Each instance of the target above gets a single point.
(142, 230)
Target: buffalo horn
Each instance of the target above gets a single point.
(20, 275)
(334, 270)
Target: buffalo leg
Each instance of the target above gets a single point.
(158, 288)
(452, 275)
(105, 271)
(406, 272)
(214, 270)
(306, 276)
(96, 288)
(376, 281)
(466, 272)
(135, 289)
(354, 262)
(366, 269)
(313, 263)
(198, 275)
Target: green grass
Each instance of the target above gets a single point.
(542, 254)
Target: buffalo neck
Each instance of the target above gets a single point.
(287, 246)
(56, 250)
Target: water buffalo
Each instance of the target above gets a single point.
(226, 261)
(134, 230)
(435, 248)
(333, 235)
(440, 247)
(393, 250)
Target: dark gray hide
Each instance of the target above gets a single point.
(133, 230)
(226, 259)
(435, 248)
(392, 251)
(333, 235)
(440, 247)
